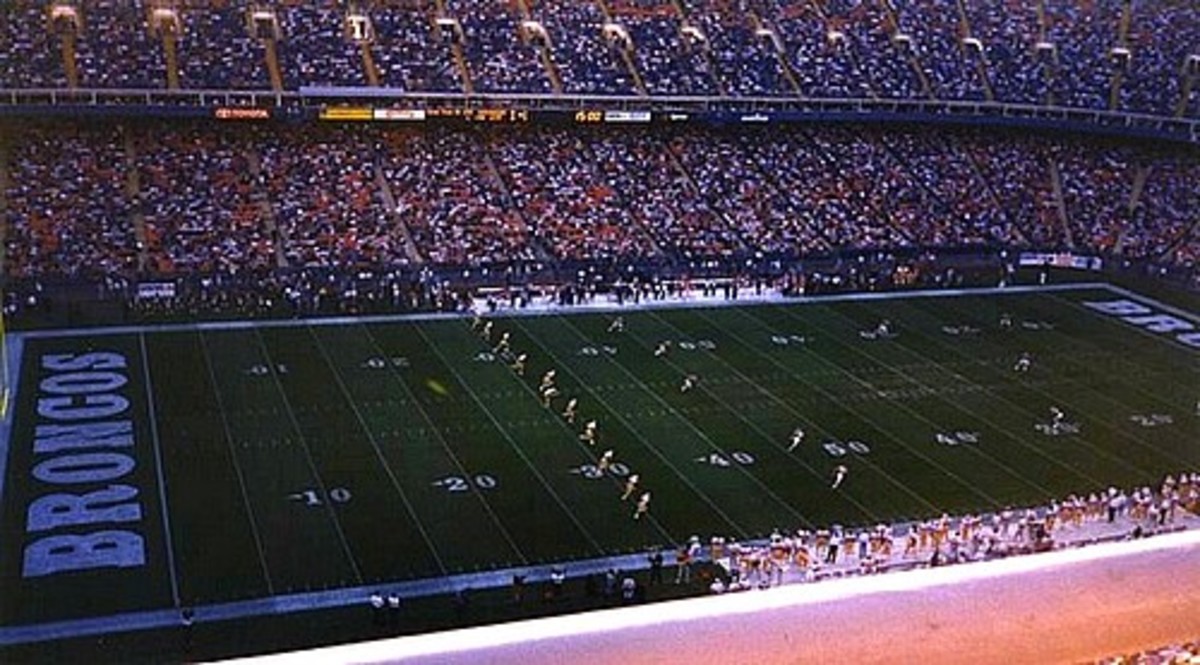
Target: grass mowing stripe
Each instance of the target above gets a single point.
(635, 432)
(1166, 393)
(985, 390)
(382, 537)
(551, 454)
(1069, 399)
(473, 488)
(772, 441)
(520, 453)
(801, 379)
(460, 529)
(337, 525)
(278, 473)
(1126, 382)
(957, 376)
(1027, 388)
(1122, 340)
(702, 389)
(241, 475)
(708, 440)
(571, 471)
(215, 552)
(387, 469)
(973, 489)
(527, 510)
(168, 541)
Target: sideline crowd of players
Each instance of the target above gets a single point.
(808, 554)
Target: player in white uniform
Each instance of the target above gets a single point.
(486, 333)
(518, 364)
(1056, 418)
(689, 382)
(589, 433)
(548, 395)
(617, 325)
(606, 461)
(547, 380)
(476, 322)
(569, 412)
(1006, 321)
(631, 484)
(797, 438)
(643, 506)
(502, 345)
(839, 474)
(661, 349)
(881, 331)
(1024, 361)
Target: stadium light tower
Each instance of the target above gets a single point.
(1120, 56)
(262, 23)
(63, 17)
(357, 27)
(615, 33)
(769, 35)
(693, 34)
(449, 29)
(165, 20)
(1045, 49)
(534, 33)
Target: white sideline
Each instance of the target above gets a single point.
(546, 307)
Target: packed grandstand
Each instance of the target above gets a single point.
(169, 200)
(220, 159)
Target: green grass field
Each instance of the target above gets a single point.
(274, 459)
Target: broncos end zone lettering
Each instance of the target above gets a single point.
(83, 445)
(1144, 317)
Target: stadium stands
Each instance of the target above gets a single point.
(200, 213)
(499, 55)
(1100, 55)
(30, 57)
(114, 49)
(227, 201)
(70, 209)
(316, 51)
(412, 52)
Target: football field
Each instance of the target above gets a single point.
(204, 464)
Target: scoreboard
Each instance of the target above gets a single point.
(494, 115)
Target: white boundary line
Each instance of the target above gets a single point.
(1190, 316)
(544, 309)
(148, 388)
(16, 350)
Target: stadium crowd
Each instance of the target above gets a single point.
(1139, 57)
(190, 200)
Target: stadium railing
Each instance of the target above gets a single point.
(743, 110)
